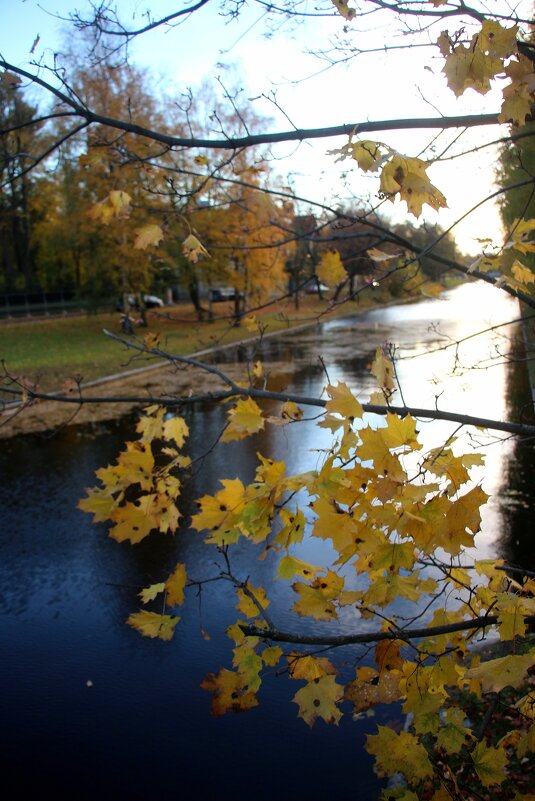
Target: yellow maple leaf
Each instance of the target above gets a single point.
(245, 418)
(247, 606)
(507, 671)
(230, 692)
(293, 527)
(486, 263)
(309, 667)
(219, 513)
(268, 478)
(343, 402)
(271, 655)
(344, 9)
(291, 411)
(392, 556)
(401, 753)
(319, 699)
(152, 339)
(175, 585)
(466, 68)
(400, 432)
(150, 624)
(383, 370)
(120, 202)
(150, 593)
(380, 256)
(176, 428)
(135, 466)
(390, 586)
(408, 178)
(334, 523)
(147, 235)
(489, 764)
(290, 566)
(100, 503)
(248, 664)
(388, 655)
(92, 158)
(374, 448)
(150, 426)
(442, 462)
(370, 688)
(368, 155)
(517, 103)
(166, 514)
(463, 516)
(193, 249)
(452, 733)
(511, 611)
(312, 603)
(134, 521)
(497, 40)
(521, 273)
(168, 486)
(316, 599)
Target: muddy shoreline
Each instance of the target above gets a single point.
(148, 386)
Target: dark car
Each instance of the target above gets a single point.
(223, 293)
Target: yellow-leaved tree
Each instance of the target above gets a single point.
(400, 521)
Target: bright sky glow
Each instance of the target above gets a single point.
(398, 84)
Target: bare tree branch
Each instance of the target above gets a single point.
(373, 636)
(232, 143)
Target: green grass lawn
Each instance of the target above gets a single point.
(51, 351)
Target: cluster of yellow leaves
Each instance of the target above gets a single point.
(115, 206)
(519, 242)
(237, 510)
(236, 690)
(154, 624)
(400, 176)
(383, 521)
(138, 494)
(492, 51)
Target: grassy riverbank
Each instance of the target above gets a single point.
(49, 352)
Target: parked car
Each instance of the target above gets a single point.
(314, 289)
(223, 293)
(149, 301)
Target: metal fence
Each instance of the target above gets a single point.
(30, 304)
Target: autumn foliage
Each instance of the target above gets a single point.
(388, 511)
(400, 521)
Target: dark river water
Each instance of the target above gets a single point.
(89, 708)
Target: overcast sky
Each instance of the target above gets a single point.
(381, 85)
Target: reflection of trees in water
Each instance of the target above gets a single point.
(518, 500)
